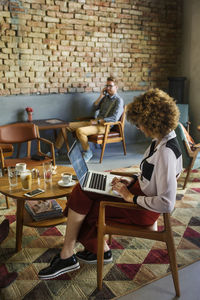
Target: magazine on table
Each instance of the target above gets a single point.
(41, 210)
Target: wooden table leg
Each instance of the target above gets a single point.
(7, 202)
(63, 130)
(19, 223)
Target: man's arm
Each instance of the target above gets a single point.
(96, 103)
(96, 107)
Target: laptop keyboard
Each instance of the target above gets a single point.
(98, 181)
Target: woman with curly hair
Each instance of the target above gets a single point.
(154, 188)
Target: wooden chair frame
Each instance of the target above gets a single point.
(193, 155)
(32, 134)
(146, 232)
(189, 150)
(6, 150)
(112, 135)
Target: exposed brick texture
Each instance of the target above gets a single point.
(50, 46)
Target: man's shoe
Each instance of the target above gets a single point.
(87, 155)
(91, 258)
(57, 153)
(4, 230)
(59, 266)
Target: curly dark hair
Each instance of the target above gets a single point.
(156, 111)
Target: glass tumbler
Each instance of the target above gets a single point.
(12, 176)
(47, 169)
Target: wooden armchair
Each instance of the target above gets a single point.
(146, 232)
(112, 135)
(7, 150)
(19, 133)
(190, 151)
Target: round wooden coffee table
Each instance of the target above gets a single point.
(52, 191)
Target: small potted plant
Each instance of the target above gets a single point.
(29, 111)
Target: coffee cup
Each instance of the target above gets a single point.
(66, 178)
(26, 179)
(20, 167)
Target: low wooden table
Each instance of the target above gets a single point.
(48, 124)
(53, 191)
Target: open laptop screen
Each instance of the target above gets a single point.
(78, 162)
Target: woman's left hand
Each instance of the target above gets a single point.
(123, 191)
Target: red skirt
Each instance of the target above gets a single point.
(87, 203)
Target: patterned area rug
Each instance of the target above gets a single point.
(137, 262)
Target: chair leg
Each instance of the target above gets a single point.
(187, 177)
(102, 153)
(124, 146)
(100, 257)
(7, 202)
(173, 265)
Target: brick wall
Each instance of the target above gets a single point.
(50, 46)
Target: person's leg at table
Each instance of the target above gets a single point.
(88, 231)
(66, 261)
(83, 129)
(4, 230)
(72, 126)
(76, 212)
(82, 134)
(81, 226)
(6, 278)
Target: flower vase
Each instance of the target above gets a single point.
(30, 116)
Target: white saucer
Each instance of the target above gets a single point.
(61, 183)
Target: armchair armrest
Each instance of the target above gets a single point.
(39, 139)
(126, 171)
(45, 140)
(108, 126)
(195, 146)
(192, 150)
(87, 118)
(188, 123)
(102, 224)
(102, 221)
(121, 173)
(103, 204)
(112, 123)
(6, 147)
(1, 157)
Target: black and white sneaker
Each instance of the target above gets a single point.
(91, 258)
(59, 266)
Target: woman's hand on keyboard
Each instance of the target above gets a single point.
(123, 191)
(123, 180)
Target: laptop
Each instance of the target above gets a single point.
(91, 181)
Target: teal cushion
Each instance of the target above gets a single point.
(183, 108)
(181, 138)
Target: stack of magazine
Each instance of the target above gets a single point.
(42, 210)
